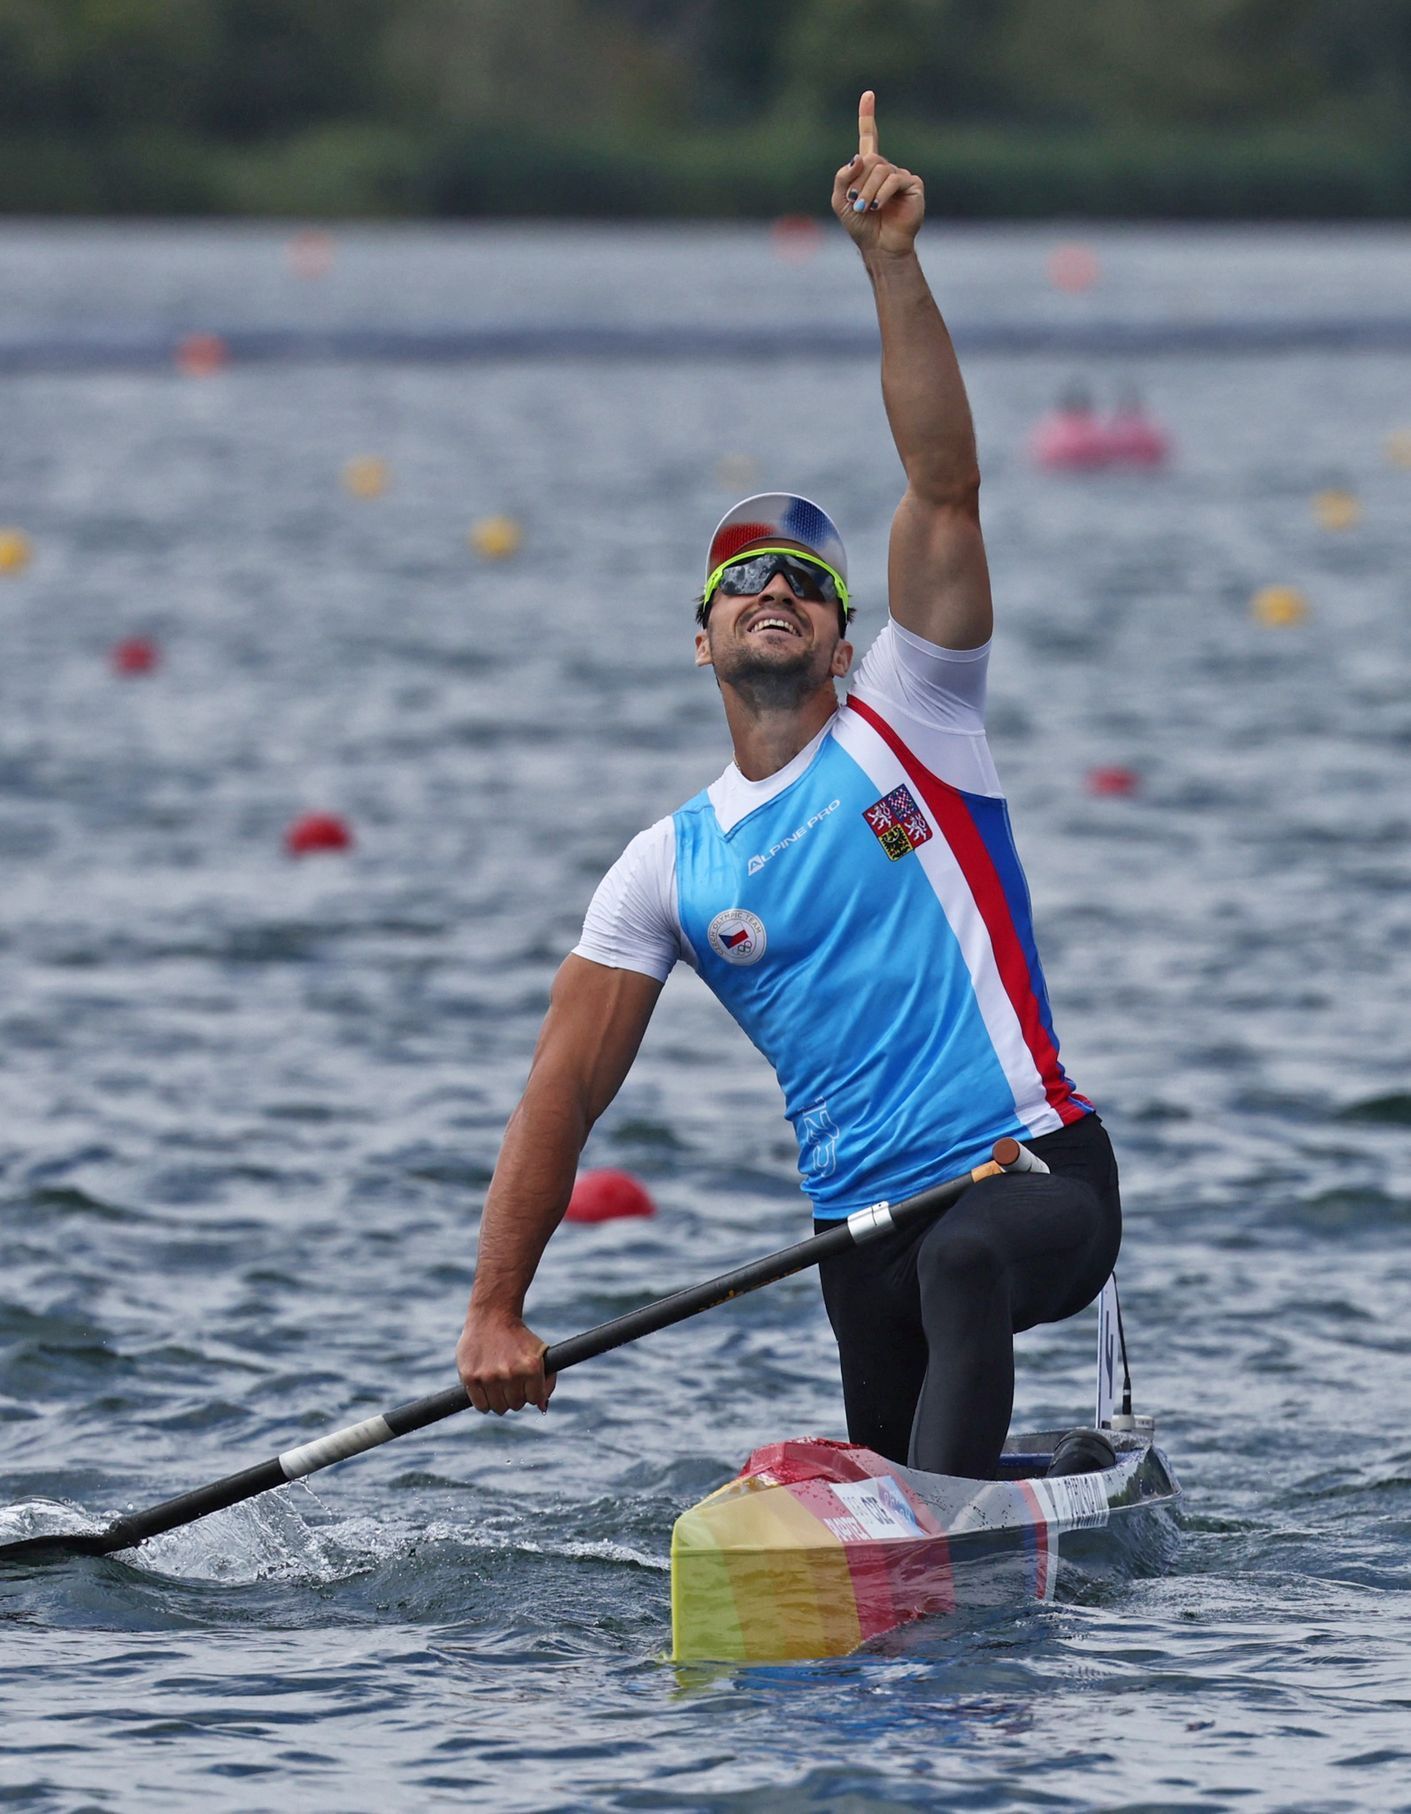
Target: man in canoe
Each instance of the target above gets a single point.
(850, 890)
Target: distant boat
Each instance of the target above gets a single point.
(1074, 438)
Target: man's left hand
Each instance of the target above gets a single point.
(881, 205)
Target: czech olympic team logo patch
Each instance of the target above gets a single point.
(737, 936)
(899, 823)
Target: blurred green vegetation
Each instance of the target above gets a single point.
(713, 108)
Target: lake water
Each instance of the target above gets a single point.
(251, 1104)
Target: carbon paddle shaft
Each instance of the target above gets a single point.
(309, 1457)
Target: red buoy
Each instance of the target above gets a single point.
(202, 355)
(604, 1196)
(310, 253)
(317, 831)
(797, 238)
(1073, 268)
(134, 655)
(1113, 780)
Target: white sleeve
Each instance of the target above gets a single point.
(940, 687)
(632, 923)
(935, 699)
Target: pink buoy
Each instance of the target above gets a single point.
(134, 655)
(605, 1196)
(315, 832)
(1069, 440)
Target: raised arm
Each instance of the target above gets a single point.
(937, 579)
(595, 1023)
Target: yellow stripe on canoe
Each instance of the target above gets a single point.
(757, 1577)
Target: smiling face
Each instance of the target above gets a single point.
(775, 650)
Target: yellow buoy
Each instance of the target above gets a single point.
(366, 477)
(1279, 606)
(15, 551)
(1337, 510)
(1398, 447)
(496, 538)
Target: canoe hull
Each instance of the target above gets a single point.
(816, 1547)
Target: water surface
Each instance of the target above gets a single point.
(251, 1105)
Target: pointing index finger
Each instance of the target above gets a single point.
(867, 124)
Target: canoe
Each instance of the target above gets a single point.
(816, 1547)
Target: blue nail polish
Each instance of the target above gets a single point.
(859, 206)
(873, 206)
(852, 195)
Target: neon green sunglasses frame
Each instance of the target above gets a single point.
(793, 554)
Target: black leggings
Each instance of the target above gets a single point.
(926, 1320)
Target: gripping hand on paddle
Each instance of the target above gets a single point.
(881, 205)
(501, 1364)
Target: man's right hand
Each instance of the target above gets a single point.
(501, 1364)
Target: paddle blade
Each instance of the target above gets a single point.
(59, 1545)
